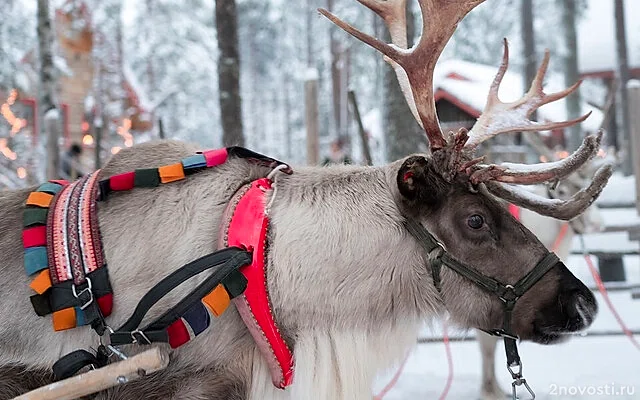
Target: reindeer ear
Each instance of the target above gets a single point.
(417, 180)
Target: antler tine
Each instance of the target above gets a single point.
(492, 98)
(499, 117)
(531, 174)
(419, 62)
(538, 80)
(389, 51)
(555, 208)
(394, 15)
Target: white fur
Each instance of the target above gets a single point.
(337, 365)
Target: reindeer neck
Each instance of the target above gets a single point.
(336, 238)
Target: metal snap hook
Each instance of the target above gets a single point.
(518, 380)
(518, 365)
(101, 338)
(521, 382)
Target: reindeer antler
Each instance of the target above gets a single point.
(499, 117)
(531, 174)
(440, 20)
(414, 69)
(555, 208)
(394, 15)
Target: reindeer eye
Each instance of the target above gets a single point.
(475, 221)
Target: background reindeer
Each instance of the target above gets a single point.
(350, 278)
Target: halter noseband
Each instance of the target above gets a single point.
(508, 294)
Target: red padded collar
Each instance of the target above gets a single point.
(248, 229)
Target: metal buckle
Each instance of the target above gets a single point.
(504, 334)
(518, 380)
(87, 289)
(138, 331)
(509, 289)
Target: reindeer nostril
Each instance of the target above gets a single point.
(585, 308)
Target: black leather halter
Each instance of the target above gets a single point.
(508, 294)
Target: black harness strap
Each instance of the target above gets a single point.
(228, 260)
(60, 296)
(73, 362)
(175, 279)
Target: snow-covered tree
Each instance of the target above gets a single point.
(177, 40)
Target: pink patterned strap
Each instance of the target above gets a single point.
(73, 234)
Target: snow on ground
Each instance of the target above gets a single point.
(554, 372)
(620, 191)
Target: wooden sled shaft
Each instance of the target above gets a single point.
(104, 378)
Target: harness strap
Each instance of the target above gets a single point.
(248, 228)
(430, 244)
(174, 280)
(152, 177)
(226, 282)
(62, 244)
(73, 362)
(540, 270)
(64, 248)
(60, 296)
(505, 292)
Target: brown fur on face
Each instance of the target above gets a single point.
(502, 248)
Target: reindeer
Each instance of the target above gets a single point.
(358, 257)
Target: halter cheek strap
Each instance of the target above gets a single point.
(509, 294)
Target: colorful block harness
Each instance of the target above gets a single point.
(63, 251)
(62, 245)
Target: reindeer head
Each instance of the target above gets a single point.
(455, 196)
